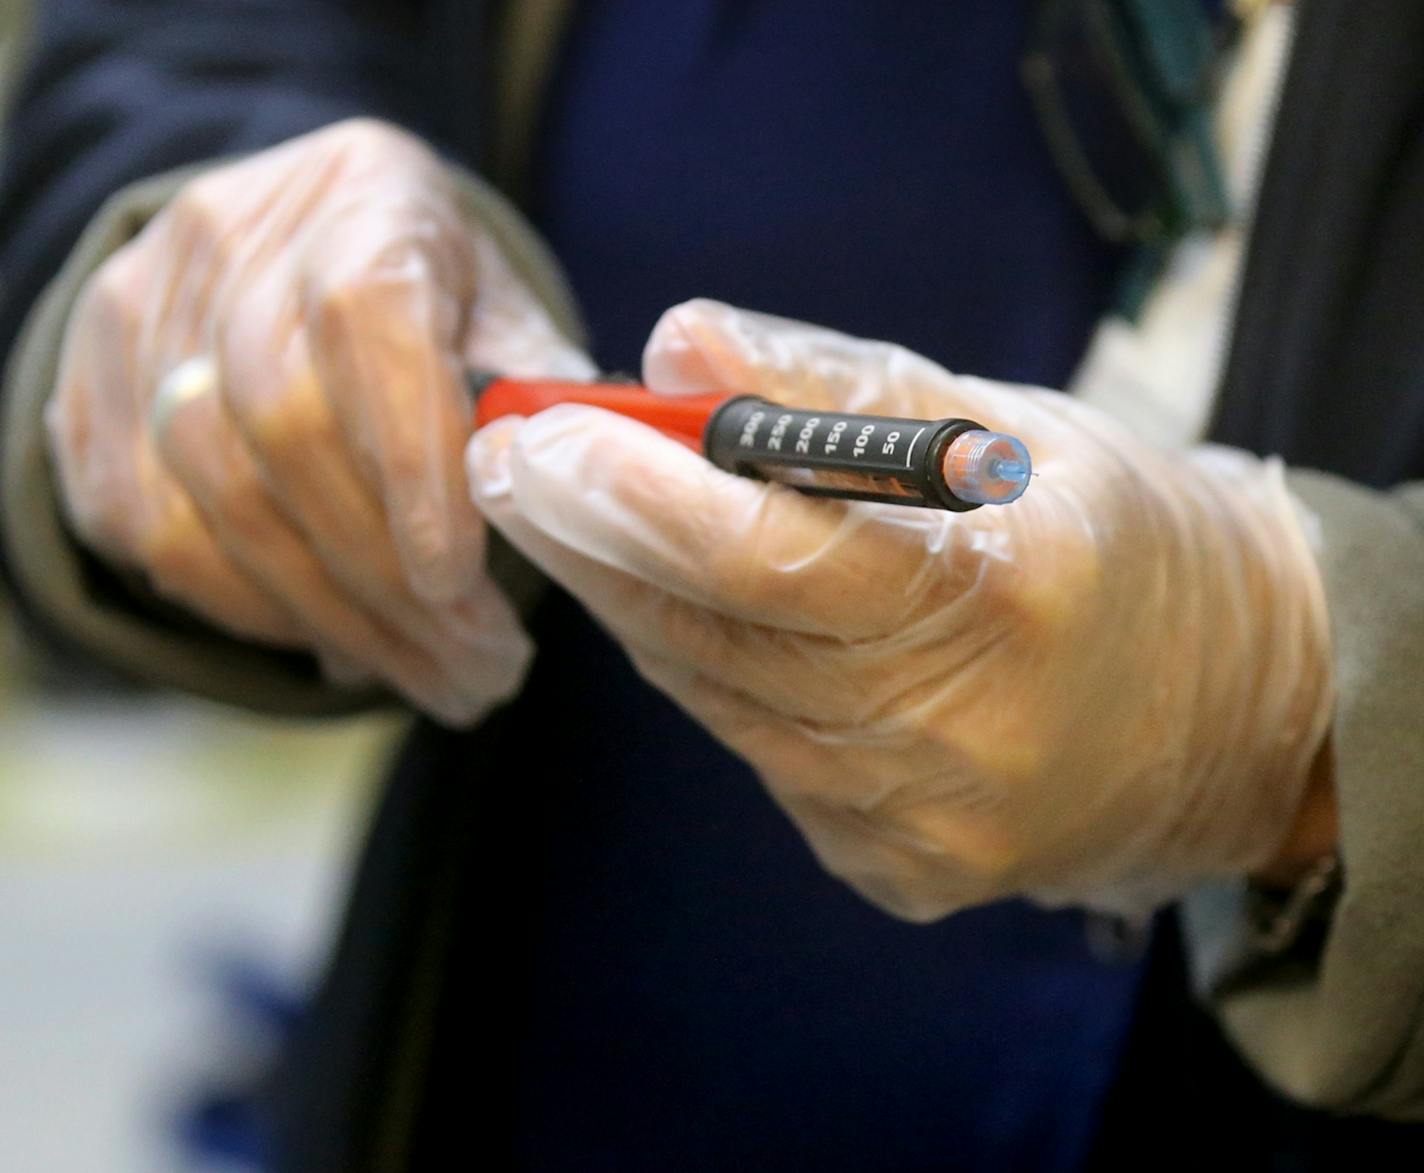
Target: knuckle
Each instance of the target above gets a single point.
(1000, 589)
(340, 302)
(94, 497)
(170, 553)
(759, 587)
(236, 499)
(738, 552)
(111, 303)
(697, 636)
(68, 427)
(895, 885)
(917, 910)
(362, 130)
(1045, 608)
(966, 819)
(427, 542)
(103, 525)
(285, 429)
(192, 241)
(366, 138)
(986, 856)
(197, 212)
(109, 286)
(905, 902)
(985, 757)
(409, 468)
(995, 863)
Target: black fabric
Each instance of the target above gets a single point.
(344, 1096)
(1326, 369)
(114, 93)
(1185, 1096)
(663, 978)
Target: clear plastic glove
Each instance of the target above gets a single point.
(1101, 693)
(260, 408)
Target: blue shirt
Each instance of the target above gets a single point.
(703, 996)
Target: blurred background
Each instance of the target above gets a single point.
(169, 877)
(169, 874)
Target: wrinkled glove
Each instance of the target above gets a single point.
(260, 408)
(1100, 694)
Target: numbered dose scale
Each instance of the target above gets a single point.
(953, 464)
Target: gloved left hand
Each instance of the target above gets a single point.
(1101, 693)
(260, 411)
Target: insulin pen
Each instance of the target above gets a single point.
(939, 464)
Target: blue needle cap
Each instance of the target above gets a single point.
(987, 468)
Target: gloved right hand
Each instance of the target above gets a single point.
(1101, 694)
(260, 408)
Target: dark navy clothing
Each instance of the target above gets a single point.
(703, 996)
(694, 993)
(644, 960)
(874, 167)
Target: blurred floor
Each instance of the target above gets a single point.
(139, 839)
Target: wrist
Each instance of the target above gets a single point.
(1315, 831)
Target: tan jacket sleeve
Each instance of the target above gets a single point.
(126, 629)
(1344, 1029)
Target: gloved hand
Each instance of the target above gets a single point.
(260, 408)
(1100, 693)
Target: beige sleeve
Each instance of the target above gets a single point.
(125, 628)
(1344, 1028)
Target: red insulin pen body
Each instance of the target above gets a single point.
(952, 464)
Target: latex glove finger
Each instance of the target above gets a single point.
(228, 230)
(769, 699)
(186, 565)
(387, 298)
(799, 677)
(705, 347)
(287, 421)
(117, 496)
(229, 293)
(204, 453)
(452, 672)
(920, 839)
(510, 331)
(776, 700)
(222, 272)
(624, 495)
(116, 355)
